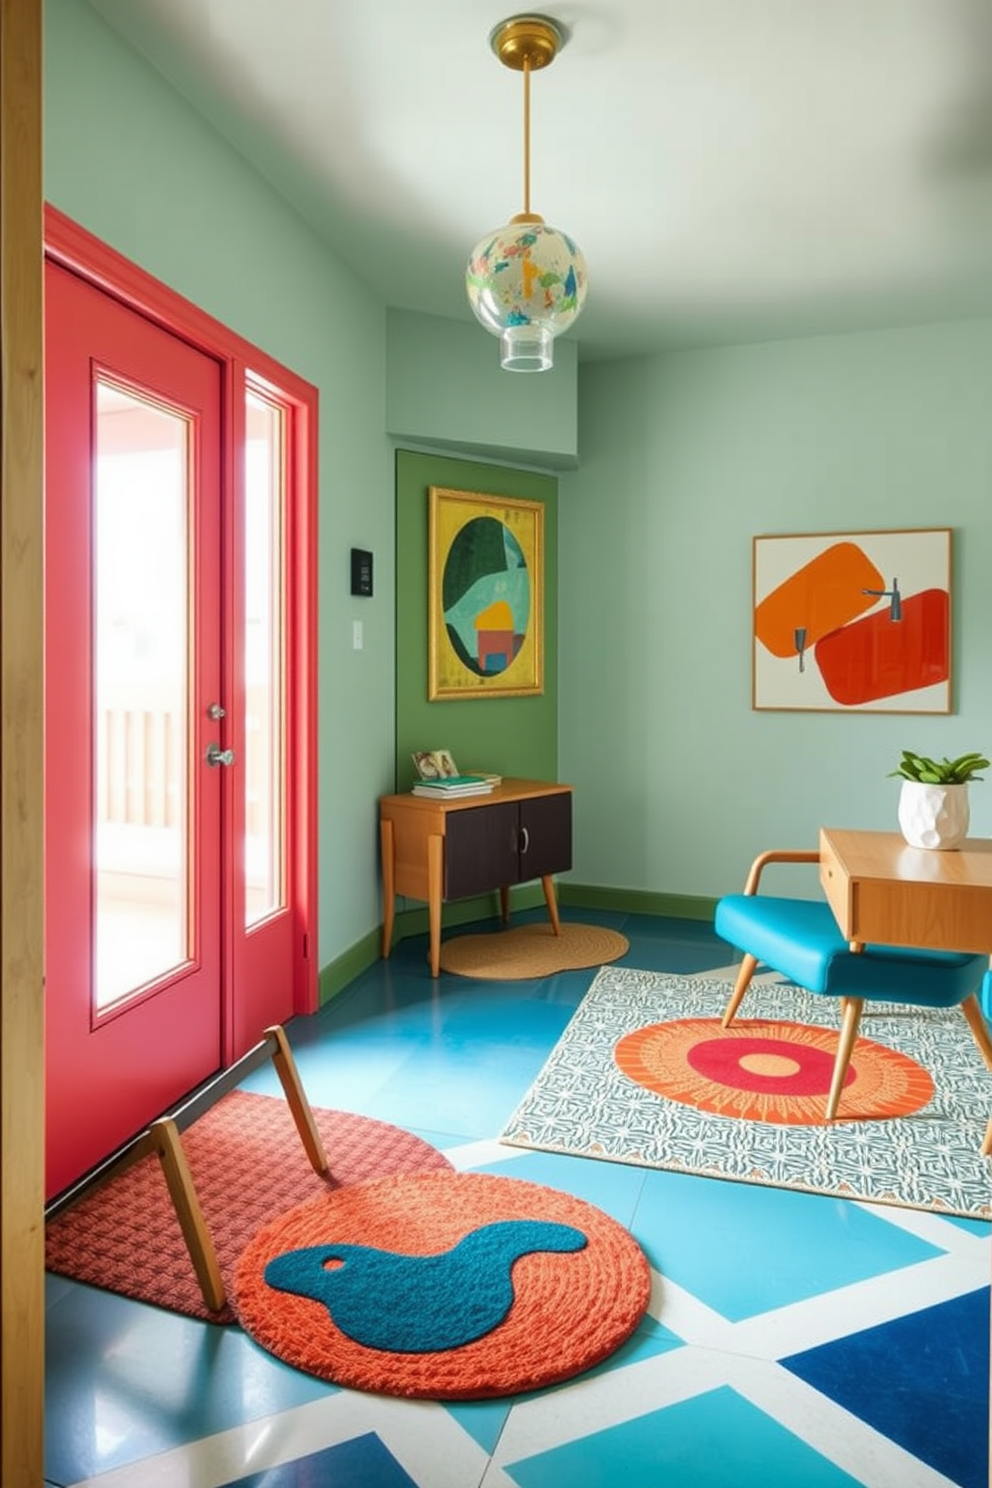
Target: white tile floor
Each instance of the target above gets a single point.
(792, 1340)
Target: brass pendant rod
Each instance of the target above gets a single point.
(527, 136)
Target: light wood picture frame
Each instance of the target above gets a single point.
(852, 622)
(486, 595)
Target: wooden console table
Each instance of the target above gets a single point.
(436, 850)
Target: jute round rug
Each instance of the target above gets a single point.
(768, 1071)
(531, 951)
(443, 1286)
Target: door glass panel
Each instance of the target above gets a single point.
(264, 765)
(140, 692)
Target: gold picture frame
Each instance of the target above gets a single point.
(486, 596)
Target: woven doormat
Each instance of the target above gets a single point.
(531, 951)
(443, 1286)
(248, 1165)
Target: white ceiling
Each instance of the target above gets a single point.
(732, 169)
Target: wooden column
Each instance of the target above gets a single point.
(21, 743)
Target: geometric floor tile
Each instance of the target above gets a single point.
(922, 1380)
(787, 1245)
(715, 1439)
(364, 1460)
(143, 1398)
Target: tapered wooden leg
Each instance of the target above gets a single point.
(972, 1010)
(388, 885)
(548, 885)
(163, 1136)
(748, 968)
(987, 1144)
(435, 859)
(851, 1010)
(504, 903)
(289, 1078)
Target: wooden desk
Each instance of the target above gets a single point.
(436, 850)
(884, 892)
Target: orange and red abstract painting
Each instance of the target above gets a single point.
(855, 621)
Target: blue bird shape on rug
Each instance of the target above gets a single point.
(419, 1304)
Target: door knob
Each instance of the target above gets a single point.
(218, 756)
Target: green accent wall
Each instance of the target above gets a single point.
(513, 736)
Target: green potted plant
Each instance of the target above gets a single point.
(933, 804)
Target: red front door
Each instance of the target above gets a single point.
(134, 837)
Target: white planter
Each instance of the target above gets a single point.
(934, 816)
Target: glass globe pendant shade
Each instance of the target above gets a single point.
(526, 283)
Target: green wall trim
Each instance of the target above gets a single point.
(336, 975)
(464, 911)
(638, 901)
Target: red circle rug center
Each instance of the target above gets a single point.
(443, 1286)
(777, 1072)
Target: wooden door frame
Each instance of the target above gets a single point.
(70, 245)
(21, 744)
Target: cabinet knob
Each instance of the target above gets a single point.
(525, 839)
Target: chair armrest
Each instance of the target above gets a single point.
(776, 855)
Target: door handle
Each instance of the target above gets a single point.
(218, 756)
(525, 839)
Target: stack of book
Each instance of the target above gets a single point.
(453, 787)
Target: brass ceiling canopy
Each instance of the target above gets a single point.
(527, 41)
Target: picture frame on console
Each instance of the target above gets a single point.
(852, 622)
(486, 595)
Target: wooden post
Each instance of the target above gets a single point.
(21, 745)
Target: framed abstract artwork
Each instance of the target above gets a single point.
(854, 622)
(486, 630)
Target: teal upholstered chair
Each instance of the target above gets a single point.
(800, 939)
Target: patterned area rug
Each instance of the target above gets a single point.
(708, 1122)
(248, 1165)
(443, 1286)
(531, 951)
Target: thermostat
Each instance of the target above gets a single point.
(361, 571)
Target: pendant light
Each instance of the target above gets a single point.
(526, 282)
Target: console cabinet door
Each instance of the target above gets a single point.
(481, 849)
(487, 847)
(545, 836)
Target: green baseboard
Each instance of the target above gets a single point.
(464, 911)
(637, 901)
(337, 974)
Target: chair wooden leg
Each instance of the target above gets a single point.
(285, 1065)
(851, 1010)
(987, 1144)
(748, 967)
(163, 1138)
(972, 1010)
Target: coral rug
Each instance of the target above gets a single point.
(248, 1165)
(443, 1286)
(644, 1074)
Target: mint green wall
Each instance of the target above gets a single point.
(129, 160)
(684, 458)
(445, 387)
(513, 736)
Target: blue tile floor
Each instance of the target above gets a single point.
(792, 1341)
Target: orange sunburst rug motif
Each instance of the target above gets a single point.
(769, 1071)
